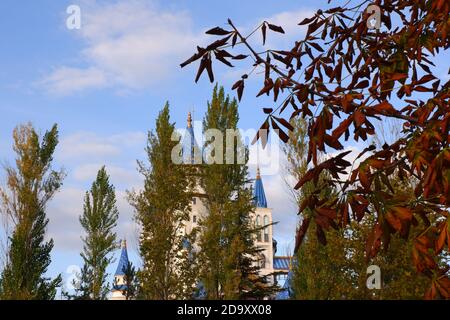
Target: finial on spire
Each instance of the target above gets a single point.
(189, 120)
(124, 243)
(258, 173)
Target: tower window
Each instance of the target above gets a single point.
(258, 224)
(194, 219)
(263, 261)
(266, 229)
(194, 200)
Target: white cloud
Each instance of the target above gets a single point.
(64, 226)
(63, 212)
(83, 154)
(132, 45)
(128, 177)
(129, 45)
(85, 145)
(89, 145)
(66, 80)
(289, 20)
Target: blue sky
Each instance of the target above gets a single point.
(105, 83)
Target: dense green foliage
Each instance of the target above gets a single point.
(162, 209)
(228, 255)
(98, 220)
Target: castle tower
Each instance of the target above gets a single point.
(192, 154)
(263, 217)
(119, 286)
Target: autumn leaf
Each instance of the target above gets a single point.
(264, 32)
(306, 178)
(285, 123)
(203, 64)
(364, 179)
(363, 84)
(275, 28)
(283, 136)
(359, 117)
(402, 213)
(384, 108)
(239, 85)
(301, 233)
(306, 21)
(262, 133)
(341, 128)
(373, 243)
(240, 57)
(393, 220)
(218, 31)
(443, 237)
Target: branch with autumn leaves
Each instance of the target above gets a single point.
(342, 77)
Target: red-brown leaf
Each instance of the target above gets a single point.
(262, 134)
(301, 232)
(283, 136)
(363, 84)
(341, 128)
(275, 28)
(218, 31)
(359, 117)
(264, 31)
(285, 123)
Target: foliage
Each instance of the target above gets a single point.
(30, 186)
(228, 255)
(344, 74)
(81, 285)
(338, 270)
(318, 271)
(162, 208)
(98, 220)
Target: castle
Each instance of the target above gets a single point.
(275, 267)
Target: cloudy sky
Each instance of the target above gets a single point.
(105, 83)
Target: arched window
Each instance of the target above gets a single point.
(263, 261)
(266, 229)
(258, 224)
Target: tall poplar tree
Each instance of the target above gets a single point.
(31, 184)
(228, 255)
(98, 220)
(162, 208)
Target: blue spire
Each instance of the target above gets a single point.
(189, 145)
(259, 194)
(123, 262)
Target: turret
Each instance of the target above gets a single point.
(259, 194)
(119, 286)
(190, 150)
